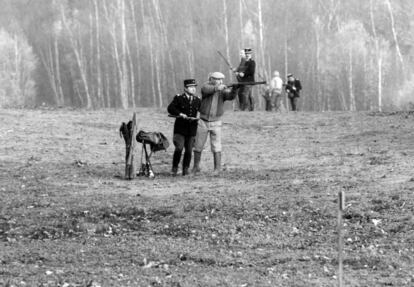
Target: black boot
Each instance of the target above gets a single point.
(217, 161)
(176, 161)
(174, 171)
(197, 159)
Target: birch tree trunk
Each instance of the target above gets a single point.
(47, 61)
(261, 46)
(137, 50)
(378, 55)
(92, 63)
(286, 56)
(118, 61)
(319, 98)
(165, 44)
(57, 76)
(352, 106)
(226, 34)
(98, 54)
(241, 23)
(124, 69)
(77, 51)
(131, 78)
(147, 31)
(394, 34)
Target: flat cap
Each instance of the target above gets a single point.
(217, 75)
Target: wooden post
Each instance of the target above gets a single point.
(341, 206)
(130, 147)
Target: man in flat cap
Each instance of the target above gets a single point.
(293, 87)
(213, 95)
(184, 107)
(245, 73)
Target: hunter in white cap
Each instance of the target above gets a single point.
(213, 95)
(216, 75)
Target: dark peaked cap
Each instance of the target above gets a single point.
(190, 82)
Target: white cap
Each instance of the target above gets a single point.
(217, 75)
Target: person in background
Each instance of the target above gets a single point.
(237, 71)
(293, 88)
(213, 95)
(267, 95)
(245, 73)
(276, 86)
(184, 107)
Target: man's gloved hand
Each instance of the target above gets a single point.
(181, 115)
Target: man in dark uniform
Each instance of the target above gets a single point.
(293, 87)
(245, 73)
(185, 108)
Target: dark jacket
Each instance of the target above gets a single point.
(293, 88)
(249, 70)
(212, 101)
(181, 104)
(241, 69)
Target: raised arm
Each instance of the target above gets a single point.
(229, 94)
(208, 90)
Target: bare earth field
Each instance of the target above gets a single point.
(68, 218)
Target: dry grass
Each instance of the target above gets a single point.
(68, 218)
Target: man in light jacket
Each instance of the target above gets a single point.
(213, 95)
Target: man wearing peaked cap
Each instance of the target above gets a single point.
(293, 87)
(190, 82)
(245, 73)
(185, 108)
(213, 95)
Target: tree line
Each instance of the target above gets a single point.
(348, 54)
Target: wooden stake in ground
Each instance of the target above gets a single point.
(129, 131)
(341, 206)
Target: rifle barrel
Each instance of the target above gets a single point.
(247, 83)
(225, 59)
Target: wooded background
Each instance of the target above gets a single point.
(348, 54)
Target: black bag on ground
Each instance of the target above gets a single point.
(156, 140)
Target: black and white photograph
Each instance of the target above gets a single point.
(206, 143)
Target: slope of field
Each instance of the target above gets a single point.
(68, 218)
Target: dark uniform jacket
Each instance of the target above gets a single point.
(293, 88)
(241, 69)
(181, 104)
(249, 70)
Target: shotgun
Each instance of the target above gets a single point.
(246, 84)
(225, 60)
(187, 118)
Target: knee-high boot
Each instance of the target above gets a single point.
(217, 161)
(176, 161)
(197, 159)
